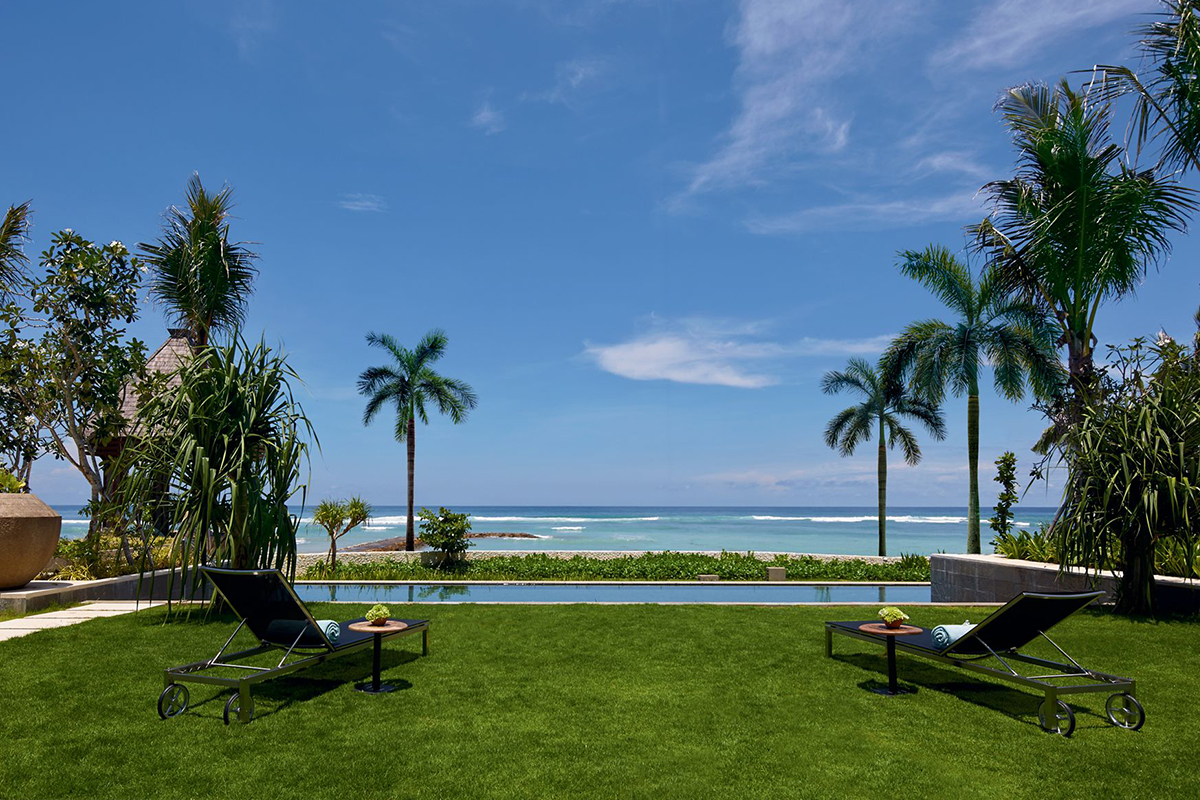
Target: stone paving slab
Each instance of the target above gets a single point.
(10, 629)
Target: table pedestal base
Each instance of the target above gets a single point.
(374, 688)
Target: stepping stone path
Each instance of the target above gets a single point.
(12, 628)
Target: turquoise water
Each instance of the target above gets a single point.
(781, 594)
(806, 529)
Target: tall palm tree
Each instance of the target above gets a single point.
(14, 232)
(1167, 94)
(885, 402)
(1076, 227)
(202, 278)
(410, 384)
(993, 327)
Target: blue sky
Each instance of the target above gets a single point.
(647, 227)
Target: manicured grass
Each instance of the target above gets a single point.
(664, 566)
(588, 701)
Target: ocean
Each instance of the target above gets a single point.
(805, 529)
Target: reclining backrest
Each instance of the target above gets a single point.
(1019, 621)
(271, 609)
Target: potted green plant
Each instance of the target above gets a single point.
(377, 614)
(892, 616)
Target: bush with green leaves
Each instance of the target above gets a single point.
(1006, 476)
(659, 566)
(446, 532)
(339, 517)
(9, 483)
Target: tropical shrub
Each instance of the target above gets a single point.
(446, 532)
(339, 517)
(1006, 476)
(218, 458)
(9, 483)
(1134, 470)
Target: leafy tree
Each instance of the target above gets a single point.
(202, 278)
(992, 327)
(1133, 484)
(1167, 94)
(339, 517)
(1075, 227)
(885, 403)
(1006, 476)
(227, 449)
(71, 378)
(410, 384)
(14, 232)
(446, 532)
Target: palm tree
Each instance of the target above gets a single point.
(885, 401)
(409, 383)
(14, 232)
(1167, 97)
(202, 278)
(1075, 227)
(993, 327)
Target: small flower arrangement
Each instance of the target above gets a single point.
(892, 616)
(378, 614)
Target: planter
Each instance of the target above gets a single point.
(893, 624)
(379, 623)
(29, 531)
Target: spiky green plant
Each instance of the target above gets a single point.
(885, 403)
(14, 233)
(202, 278)
(991, 327)
(227, 447)
(339, 517)
(410, 384)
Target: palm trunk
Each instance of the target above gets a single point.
(410, 541)
(973, 469)
(882, 491)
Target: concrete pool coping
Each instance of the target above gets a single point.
(616, 583)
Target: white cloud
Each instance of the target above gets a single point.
(569, 78)
(1005, 34)
(789, 52)
(488, 119)
(962, 206)
(363, 202)
(955, 162)
(717, 353)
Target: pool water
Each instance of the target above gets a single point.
(769, 594)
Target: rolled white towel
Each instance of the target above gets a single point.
(946, 635)
(330, 628)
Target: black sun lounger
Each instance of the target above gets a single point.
(997, 641)
(277, 617)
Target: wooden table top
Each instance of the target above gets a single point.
(391, 626)
(884, 630)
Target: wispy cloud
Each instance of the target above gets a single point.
(958, 162)
(788, 54)
(489, 120)
(570, 77)
(253, 20)
(1005, 34)
(363, 202)
(716, 352)
(962, 205)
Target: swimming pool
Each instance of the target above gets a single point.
(783, 593)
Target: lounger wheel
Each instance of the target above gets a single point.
(173, 700)
(1061, 722)
(1125, 711)
(233, 707)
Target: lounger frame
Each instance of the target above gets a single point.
(1044, 683)
(305, 658)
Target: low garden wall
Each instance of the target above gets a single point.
(305, 560)
(996, 579)
(40, 594)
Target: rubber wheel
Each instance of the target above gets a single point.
(1125, 711)
(1063, 721)
(233, 707)
(173, 701)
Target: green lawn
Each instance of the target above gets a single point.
(588, 701)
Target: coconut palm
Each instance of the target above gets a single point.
(14, 232)
(992, 327)
(1167, 94)
(410, 384)
(885, 403)
(1076, 227)
(202, 278)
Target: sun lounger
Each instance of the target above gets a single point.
(276, 616)
(993, 646)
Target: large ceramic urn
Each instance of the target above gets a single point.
(29, 532)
